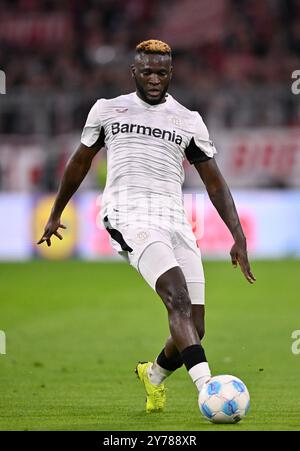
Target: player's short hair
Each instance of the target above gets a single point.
(154, 46)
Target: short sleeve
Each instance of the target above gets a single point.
(200, 147)
(93, 129)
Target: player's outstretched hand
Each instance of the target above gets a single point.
(239, 256)
(51, 229)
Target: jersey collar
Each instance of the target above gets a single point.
(159, 106)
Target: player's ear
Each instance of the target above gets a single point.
(171, 72)
(132, 70)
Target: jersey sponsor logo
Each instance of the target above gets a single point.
(172, 136)
(121, 110)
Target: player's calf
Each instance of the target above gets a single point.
(172, 289)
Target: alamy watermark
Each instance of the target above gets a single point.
(149, 209)
(2, 82)
(2, 342)
(296, 344)
(296, 84)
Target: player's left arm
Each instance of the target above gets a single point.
(222, 199)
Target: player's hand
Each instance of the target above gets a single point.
(51, 229)
(239, 256)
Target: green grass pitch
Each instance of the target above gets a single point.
(75, 331)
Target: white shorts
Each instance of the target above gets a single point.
(153, 251)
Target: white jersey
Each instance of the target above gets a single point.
(146, 146)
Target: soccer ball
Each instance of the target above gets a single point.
(224, 399)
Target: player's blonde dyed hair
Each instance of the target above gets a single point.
(154, 46)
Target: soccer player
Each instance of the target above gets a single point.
(148, 134)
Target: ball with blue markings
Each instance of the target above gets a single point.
(224, 399)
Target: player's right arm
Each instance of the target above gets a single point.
(74, 173)
(92, 140)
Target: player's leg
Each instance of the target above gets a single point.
(154, 249)
(188, 256)
(151, 253)
(160, 269)
(169, 359)
(155, 260)
(170, 284)
(188, 329)
(198, 314)
(173, 290)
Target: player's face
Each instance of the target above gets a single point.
(152, 74)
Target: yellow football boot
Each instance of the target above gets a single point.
(156, 394)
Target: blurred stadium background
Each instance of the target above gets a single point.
(65, 321)
(233, 63)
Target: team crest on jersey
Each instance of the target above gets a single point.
(141, 236)
(175, 121)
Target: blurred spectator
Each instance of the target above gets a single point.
(233, 63)
(233, 58)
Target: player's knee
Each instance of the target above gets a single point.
(178, 302)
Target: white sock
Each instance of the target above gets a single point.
(157, 374)
(200, 374)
